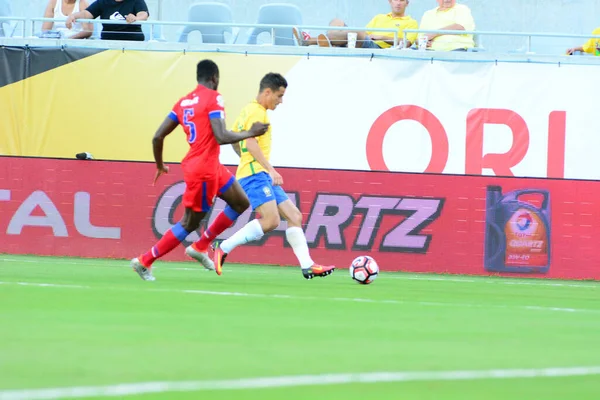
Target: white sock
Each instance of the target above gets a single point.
(250, 232)
(295, 237)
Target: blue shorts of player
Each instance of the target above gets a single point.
(260, 190)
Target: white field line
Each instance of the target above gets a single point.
(122, 263)
(504, 281)
(391, 301)
(37, 284)
(386, 275)
(132, 389)
(313, 298)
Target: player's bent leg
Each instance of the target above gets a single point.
(171, 239)
(253, 230)
(260, 193)
(237, 203)
(290, 213)
(191, 222)
(296, 238)
(236, 197)
(144, 272)
(269, 216)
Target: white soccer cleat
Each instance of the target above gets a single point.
(142, 271)
(202, 258)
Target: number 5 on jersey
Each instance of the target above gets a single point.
(188, 116)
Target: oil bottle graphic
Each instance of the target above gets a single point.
(517, 232)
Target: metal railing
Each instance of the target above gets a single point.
(31, 23)
(270, 27)
(528, 35)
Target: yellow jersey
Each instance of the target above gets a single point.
(388, 21)
(437, 19)
(250, 114)
(591, 45)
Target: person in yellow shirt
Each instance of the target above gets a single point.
(396, 19)
(262, 183)
(592, 46)
(448, 16)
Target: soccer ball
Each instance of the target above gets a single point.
(364, 270)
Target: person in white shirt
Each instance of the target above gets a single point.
(63, 9)
(449, 16)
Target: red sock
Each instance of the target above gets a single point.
(167, 243)
(220, 223)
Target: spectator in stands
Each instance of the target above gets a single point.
(62, 9)
(119, 10)
(449, 16)
(592, 46)
(396, 19)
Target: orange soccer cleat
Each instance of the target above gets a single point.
(317, 270)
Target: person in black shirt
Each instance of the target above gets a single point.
(123, 10)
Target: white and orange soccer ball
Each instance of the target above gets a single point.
(364, 270)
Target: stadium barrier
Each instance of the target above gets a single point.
(415, 115)
(407, 222)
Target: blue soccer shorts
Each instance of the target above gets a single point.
(260, 190)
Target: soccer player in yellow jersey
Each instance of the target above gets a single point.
(396, 19)
(262, 183)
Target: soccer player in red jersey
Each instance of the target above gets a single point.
(202, 116)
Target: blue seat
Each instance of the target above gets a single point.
(209, 12)
(7, 28)
(279, 14)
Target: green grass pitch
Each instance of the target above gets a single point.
(68, 323)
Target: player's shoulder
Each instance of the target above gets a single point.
(253, 112)
(212, 96)
(189, 100)
(254, 108)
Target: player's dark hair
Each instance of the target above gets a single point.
(206, 70)
(272, 81)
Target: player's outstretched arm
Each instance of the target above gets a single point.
(224, 136)
(236, 148)
(254, 150)
(158, 141)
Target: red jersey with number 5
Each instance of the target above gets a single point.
(194, 112)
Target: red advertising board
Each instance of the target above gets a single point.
(407, 222)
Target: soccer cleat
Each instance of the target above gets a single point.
(317, 270)
(142, 270)
(202, 258)
(218, 258)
